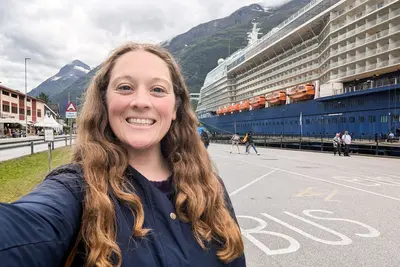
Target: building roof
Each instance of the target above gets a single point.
(54, 107)
(19, 93)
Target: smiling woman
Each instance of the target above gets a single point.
(139, 173)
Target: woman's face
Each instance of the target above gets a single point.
(140, 100)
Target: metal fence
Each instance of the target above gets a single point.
(31, 143)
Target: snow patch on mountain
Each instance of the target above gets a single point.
(81, 69)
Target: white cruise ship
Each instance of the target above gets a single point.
(331, 57)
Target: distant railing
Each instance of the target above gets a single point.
(32, 143)
(363, 146)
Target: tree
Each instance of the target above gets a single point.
(44, 97)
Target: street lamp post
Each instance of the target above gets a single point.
(26, 96)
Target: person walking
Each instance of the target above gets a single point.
(235, 142)
(336, 144)
(250, 142)
(346, 138)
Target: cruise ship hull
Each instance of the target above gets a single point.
(364, 113)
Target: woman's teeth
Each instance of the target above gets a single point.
(142, 122)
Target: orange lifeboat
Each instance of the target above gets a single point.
(219, 111)
(257, 102)
(244, 106)
(237, 107)
(231, 108)
(276, 98)
(302, 92)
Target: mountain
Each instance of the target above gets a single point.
(198, 50)
(64, 78)
(74, 90)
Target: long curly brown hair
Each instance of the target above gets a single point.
(104, 160)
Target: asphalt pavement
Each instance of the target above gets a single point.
(303, 208)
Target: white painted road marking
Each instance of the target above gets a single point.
(252, 182)
(344, 239)
(315, 178)
(372, 232)
(294, 244)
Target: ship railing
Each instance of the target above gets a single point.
(271, 36)
(364, 144)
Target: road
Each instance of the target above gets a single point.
(302, 208)
(13, 153)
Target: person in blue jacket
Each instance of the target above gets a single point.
(140, 189)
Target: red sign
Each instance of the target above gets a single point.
(71, 107)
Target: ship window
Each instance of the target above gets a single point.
(384, 118)
(352, 119)
(361, 118)
(396, 118)
(371, 118)
(334, 120)
(307, 121)
(343, 120)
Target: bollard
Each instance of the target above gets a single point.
(32, 148)
(265, 140)
(66, 141)
(322, 144)
(50, 157)
(376, 148)
(52, 145)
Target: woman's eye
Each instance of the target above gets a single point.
(124, 87)
(158, 90)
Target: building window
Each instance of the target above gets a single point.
(6, 93)
(14, 95)
(14, 109)
(28, 100)
(384, 118)
(21, 111)
(39, 113)
(6, 107)
(28, 112)
(371, 118)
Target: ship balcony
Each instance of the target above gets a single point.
(371, 66)
(395, 60)
(382, 64)
(360, 42)
(382, 49)
(371, 52)
(360, 69)
(360, 28)
(394, 13)
(350, 72)
(350, 46)
(394, 29)
(382, 18)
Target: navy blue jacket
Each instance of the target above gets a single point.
(41, 228)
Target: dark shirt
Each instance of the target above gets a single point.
(40, 228)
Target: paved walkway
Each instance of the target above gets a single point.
(302, 208)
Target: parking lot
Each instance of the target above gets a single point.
(302, 208)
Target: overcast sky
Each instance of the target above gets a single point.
(55, 32)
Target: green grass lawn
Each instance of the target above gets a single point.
(19, 176)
